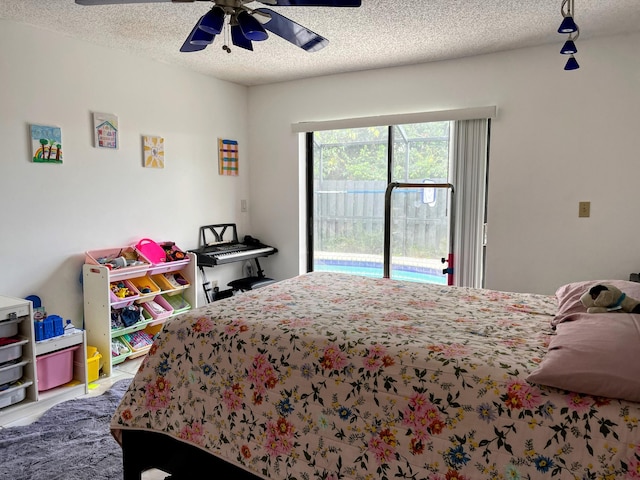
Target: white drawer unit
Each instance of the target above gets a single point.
(17, 359)
(18, 362)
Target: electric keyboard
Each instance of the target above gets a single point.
(219, 245)
(218, 255)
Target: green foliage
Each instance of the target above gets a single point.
(419, 151)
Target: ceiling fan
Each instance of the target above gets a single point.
(246, 25)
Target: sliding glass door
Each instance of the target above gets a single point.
(351, 169)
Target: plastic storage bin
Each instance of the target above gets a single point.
(12, 351)
(139, 343)
(147, 288)
(120, 350)
(55, 369)
(14, 394)
(8, 328)
(165, 310)
(110, 257)
(119, 302)
(156, 255)
(11, 373)
(178, 303)
(93, 363)
(170, 283)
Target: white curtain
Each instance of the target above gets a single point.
(469, 177)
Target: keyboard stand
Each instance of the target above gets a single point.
(251, 283)
(227, 232)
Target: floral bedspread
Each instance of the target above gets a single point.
(330, 376)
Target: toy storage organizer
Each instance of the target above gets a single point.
(159, 289)
(31, 371)
(17, 376)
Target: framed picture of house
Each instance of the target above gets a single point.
(105, 131)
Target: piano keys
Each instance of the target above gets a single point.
(232, 252)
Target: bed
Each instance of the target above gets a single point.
(332, 376)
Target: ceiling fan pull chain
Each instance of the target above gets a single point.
(225, 47)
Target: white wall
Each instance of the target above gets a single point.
(52, 214)
(560, 138)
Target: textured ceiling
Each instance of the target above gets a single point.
(380, 33)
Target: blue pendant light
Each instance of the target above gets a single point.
(251, 28)
(212, 21)
(569, 26)
(569, 48)
(572, 64)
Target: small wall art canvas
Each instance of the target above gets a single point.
(228, 157)
(153, 151)
(105, 129)
(46, 144)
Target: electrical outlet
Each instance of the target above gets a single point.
(584, 209)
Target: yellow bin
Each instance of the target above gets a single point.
(93, 363)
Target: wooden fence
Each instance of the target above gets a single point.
(349, 218)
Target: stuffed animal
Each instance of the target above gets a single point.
(607, 298)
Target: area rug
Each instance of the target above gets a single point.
(71, 441)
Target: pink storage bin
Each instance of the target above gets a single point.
(117, 302)
(55, 369)
(151, 251)
(98, 257)
(155, 254)
(168, 309)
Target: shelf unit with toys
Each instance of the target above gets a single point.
(35, 375)
(125, 306)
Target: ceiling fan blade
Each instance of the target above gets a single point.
(238, 38)
(117, 2)
(293, 32)
(187, 46)
(313, 3)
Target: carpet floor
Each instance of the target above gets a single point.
(70, 441)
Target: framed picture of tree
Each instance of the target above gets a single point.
(46, 144)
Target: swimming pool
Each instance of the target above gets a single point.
(397, 272)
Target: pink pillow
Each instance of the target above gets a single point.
(568, 296)
(594, 354)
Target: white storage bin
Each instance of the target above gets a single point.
(12, 351)
(14, 394)
(11, 373)
(9, 328)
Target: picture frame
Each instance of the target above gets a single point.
(46, 143)
(105, 130)
(152, 151)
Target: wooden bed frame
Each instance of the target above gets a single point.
(143, 450)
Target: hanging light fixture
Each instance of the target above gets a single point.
(212, 21)
(251, 28)
(569, 26)
(569, 47)
(572, 64)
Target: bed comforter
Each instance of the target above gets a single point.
(331, 376)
